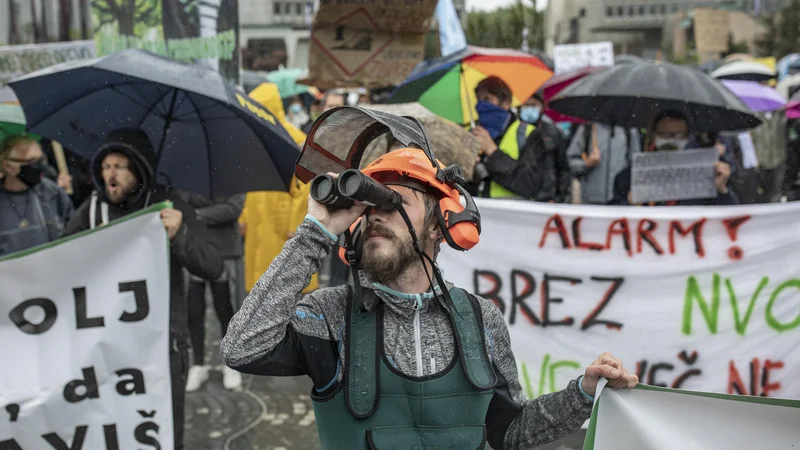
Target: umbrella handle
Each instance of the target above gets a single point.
(466, 94)
(61, 162)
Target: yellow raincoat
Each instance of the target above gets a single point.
(271, 217)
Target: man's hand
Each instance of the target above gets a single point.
(723, 174)
(64, 181)
(593, 159)
(172, 219)
(488, 145)
(610, 368)
(336, 221)
(720, 147)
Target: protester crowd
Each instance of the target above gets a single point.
(223, 245)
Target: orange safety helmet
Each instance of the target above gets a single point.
(413, 168)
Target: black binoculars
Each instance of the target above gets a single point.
(352, 186)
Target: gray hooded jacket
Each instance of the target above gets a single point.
(281, 332)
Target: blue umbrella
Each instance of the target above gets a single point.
(210, 138)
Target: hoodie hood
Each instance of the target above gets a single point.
(136, 145)
(269, 97)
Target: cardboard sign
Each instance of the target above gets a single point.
(404, 16)
(677, 175)
(348, 56)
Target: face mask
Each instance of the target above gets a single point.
(492, 117)
(31, 174)
(295, 108)
(530, 114)
(666, 144)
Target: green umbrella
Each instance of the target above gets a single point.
(286, 80)
(12, 122)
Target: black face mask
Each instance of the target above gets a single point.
(31, 174)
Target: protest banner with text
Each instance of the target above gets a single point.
(694, 298)
(84, 324)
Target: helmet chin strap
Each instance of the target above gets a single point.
(422, 257)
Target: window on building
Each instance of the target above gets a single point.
(641, 10)
(674, 8)
(653, 9)
(582, 12)
(630, 10)
(620, 11)
(609, 11)
(298, 8)
(276, 8)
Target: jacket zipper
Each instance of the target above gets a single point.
(418, 339)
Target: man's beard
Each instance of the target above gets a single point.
(387, 268)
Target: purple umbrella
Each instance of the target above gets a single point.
(757, 96)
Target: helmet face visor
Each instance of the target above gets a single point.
(339, 136)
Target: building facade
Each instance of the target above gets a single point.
(634, 26)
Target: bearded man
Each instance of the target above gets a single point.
(402, 367)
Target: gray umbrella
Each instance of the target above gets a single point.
(631, 95)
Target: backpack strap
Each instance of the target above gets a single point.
(468, 332)
(362, 382)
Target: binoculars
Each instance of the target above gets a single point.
(352, 186)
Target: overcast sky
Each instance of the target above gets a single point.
(488, 5)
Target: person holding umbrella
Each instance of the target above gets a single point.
(670, 132)
(513, 171)
(122, 171)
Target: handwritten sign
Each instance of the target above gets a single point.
(569, 57)
(691, 298)
(367, 43)
(673, 175)
(85, 360)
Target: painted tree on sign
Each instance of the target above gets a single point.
(127, 14)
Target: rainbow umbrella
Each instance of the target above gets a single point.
(446, 86)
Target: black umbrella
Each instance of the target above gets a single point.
(631, 95)
(209, 137)
(627, 59)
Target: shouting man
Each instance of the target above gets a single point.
(402, 364)
(122, 171)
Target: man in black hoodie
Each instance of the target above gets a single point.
(122, 172)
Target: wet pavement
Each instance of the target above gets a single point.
(268, 413)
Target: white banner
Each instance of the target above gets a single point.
(569, 57)
(698, 298)
(715, 420)
(84, 327)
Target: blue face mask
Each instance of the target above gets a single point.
(295, 108)
(530, 114)
(492, 117)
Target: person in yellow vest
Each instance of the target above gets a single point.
(511, 172)
(269, 219)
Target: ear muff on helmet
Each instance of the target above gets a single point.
(460, 224)
(355, 236)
